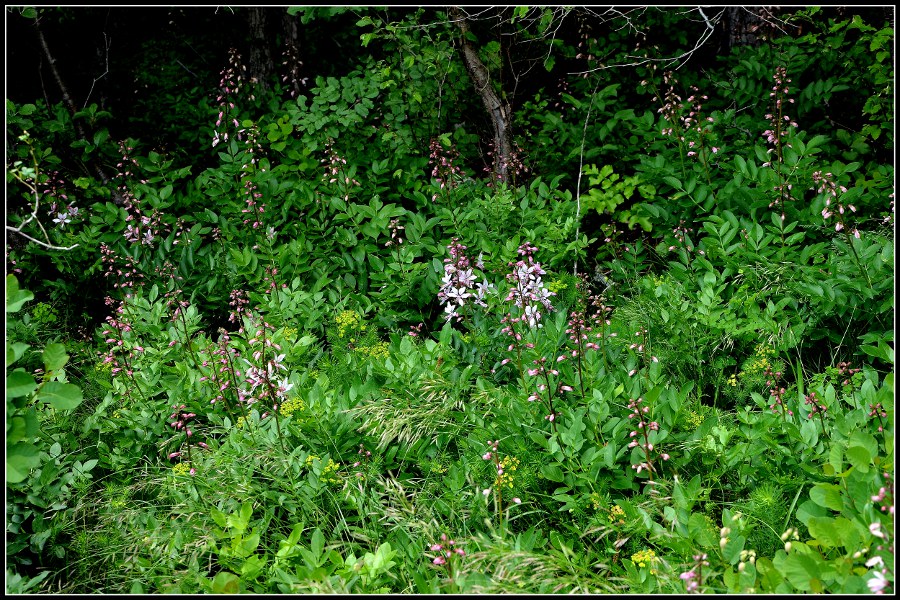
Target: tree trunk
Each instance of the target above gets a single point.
(261, 67)
(70, 104)
(498, 110)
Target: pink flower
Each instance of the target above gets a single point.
(877, 583)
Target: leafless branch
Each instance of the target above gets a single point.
(667, 62)
(105, 73)
(587, 118)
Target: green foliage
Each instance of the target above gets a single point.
(327, 354)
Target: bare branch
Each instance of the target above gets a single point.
(681, 58)
(96, 79)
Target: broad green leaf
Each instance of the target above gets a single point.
(225, 583)
(827, 496)
(859, 457)
(20, 459)
(15, 297)
(19, 383)
(61, 396)
(55, 357)
(553, 473)
(15, 351)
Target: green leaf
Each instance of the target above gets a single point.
(317, 542)
(226, 583)
(15, 351)
(802, 569)
(54, 357)
(859, 457)
(15, 297)
(553, 473)
(61, 396)
(19, 383)
(20, 459)
(827, 496)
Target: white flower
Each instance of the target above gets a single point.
(877, 583)
(62, 218)
(875, 561)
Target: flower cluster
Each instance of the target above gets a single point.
(816, 407)
(446, 553)
(777, 393)
(62, 209)
(443, 170)
(395, 228)
(824, 183)
(641, 347)
(121, 346)
(183, 468)
(877, 410)
(780, 123)
(694, 577)
(330, 471)
(221, 372)
(290, 406)
(364, 457)
(527, 290)
(643, 558)
(262, 377)
(292, 64)
(885, 496)
(349, 321)
(458, 283)
(238, 303)
(640, 437)
(510, 166)
(544, 371)
(336, 170)
(510, 463)
(232, 78)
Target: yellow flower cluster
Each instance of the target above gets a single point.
(290, 406)
(760, 361)
(376, 350)
(557, 285)
(505, 479)
(694, 419)
(240, 422)
(645, 557)
(329, 473)
(182, 468)
(732, 380)
(290, 333)
(103, 367)
(348, 320)
(617, 516)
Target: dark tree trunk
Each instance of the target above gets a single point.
(745, 26)
(261, 67)
(498, 110)
(70, 104)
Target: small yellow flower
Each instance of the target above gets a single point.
(643, 558)
(182, 468)
(290, 406)
(348, 320)
(617, 515)
(329, 472)
(505, 479)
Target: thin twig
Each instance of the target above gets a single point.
(580, 170)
